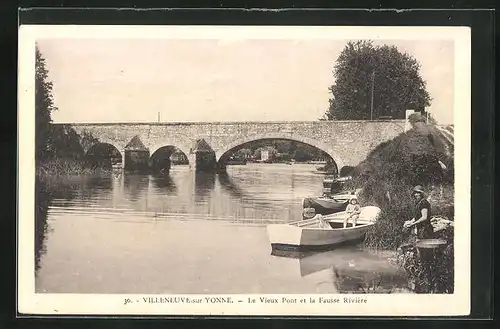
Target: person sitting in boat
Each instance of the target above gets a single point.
(353, 210)
(310, 213)
(322, 223)
(421, 224)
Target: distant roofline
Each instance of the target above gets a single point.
(211, 123)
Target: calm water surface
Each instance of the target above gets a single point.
(193, 233)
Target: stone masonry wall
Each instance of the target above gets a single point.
(348, 142)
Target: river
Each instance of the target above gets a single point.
(189, 233)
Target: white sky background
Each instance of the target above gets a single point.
(131, 80)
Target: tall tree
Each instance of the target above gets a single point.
(44, 105)
(393, 76)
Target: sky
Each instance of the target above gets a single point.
(186, 80)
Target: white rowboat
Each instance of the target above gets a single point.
(308, 235)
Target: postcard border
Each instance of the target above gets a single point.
(19, 127)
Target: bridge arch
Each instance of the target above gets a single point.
(184, 148)
(160, 159)
(103, 154)
(223, 152)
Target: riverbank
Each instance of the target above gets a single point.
(61, 167)
(421, 156)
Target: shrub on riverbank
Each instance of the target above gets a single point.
(418, 157)
(435, 277)
(67, 167)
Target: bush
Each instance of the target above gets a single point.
(396, 205)
(346, 171)
(435, 277)
(416, 117)
(301, 155)
(65, 167)
(283, 157)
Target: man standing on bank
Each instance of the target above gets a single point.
(421, 222)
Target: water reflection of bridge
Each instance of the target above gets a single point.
(188, 193)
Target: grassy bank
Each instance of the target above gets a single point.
(61, 167)
(420, 156)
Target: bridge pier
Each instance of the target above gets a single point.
(202, 161)
(136, 161)
(221, 167)
(202, 157)
(136, 155)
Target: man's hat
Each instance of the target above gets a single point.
(419, 189)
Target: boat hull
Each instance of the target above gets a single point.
(325, 206)
(291, 238)
(276, 248)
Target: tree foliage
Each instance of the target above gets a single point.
(44, 106)
(271, 149)
(243, 153)
(53, 141)
(285, 150)
(424, 117)
(300, 154)
(397, 84)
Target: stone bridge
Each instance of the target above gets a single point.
(346, 142)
